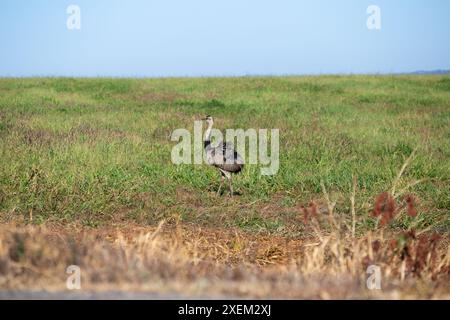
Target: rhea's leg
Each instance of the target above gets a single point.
(221, 182)
(231, 186)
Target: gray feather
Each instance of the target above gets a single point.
(225, 157)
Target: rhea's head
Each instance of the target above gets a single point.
(209, 120)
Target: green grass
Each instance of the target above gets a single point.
(98, 150)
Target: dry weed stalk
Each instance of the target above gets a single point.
(352, 202)
(402, 170)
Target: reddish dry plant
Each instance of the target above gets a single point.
(309, 212)
(418, 251)
(420, 254)
(376, 245)
(411, 205)
(385, 207)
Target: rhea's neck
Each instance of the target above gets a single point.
(207, 140)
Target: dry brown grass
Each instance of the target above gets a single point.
(195, 262)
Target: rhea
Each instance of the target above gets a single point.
(223, 156)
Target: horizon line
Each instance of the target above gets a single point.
(255, 75)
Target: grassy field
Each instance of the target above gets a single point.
(94, 154)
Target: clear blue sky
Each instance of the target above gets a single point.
(228, 37)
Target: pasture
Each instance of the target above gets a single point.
(93, 157)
